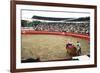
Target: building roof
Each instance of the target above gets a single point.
(60, 19)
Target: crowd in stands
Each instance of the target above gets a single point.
(81, 28)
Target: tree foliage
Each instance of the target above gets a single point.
(25, 23)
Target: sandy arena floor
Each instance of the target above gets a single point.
(49, 47)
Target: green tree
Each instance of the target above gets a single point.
(23, 23)
(36, 23)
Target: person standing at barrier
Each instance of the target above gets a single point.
(78, 46)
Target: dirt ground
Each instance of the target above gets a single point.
(49, 47)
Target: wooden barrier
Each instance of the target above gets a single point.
(25, 32)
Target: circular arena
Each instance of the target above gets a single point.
(52, 39)
(50, 46)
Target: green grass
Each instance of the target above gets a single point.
(49, 47)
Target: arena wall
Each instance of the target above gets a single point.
(25, 32)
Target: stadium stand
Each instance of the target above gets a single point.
(51, 24)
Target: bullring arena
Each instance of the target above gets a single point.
(52, 39)
(48, 46)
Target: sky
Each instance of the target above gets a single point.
(28, 14)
